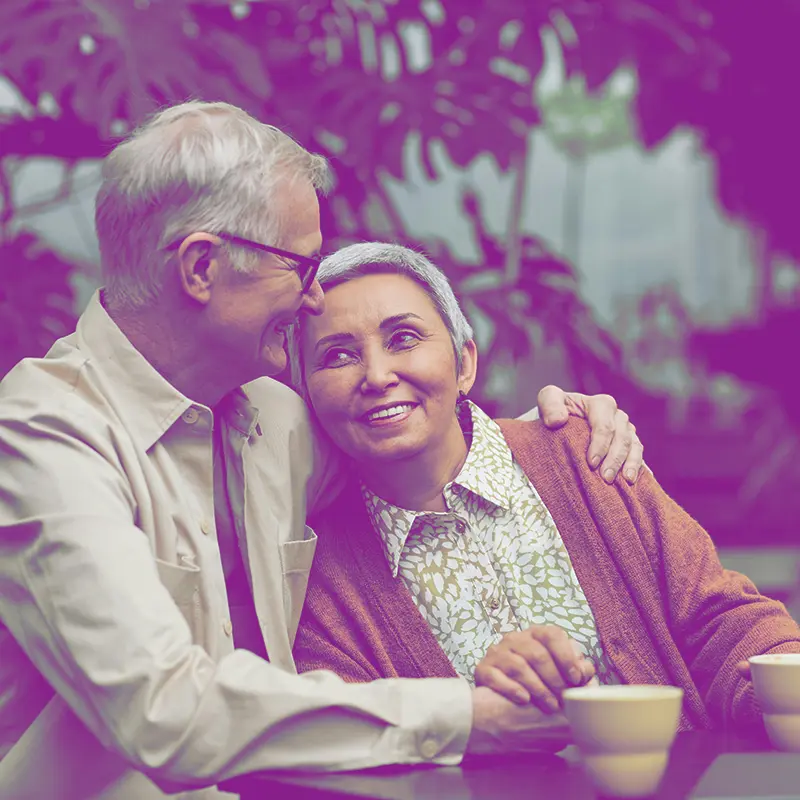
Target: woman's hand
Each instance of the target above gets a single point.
(502, 727)
(534, 666)
(614, 445)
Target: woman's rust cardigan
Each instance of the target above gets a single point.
(666, 610)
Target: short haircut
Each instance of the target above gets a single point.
(370, 258)
(192, 167)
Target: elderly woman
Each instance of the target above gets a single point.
(490, 550)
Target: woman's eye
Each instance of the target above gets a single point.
(337, 358)
(404, 339)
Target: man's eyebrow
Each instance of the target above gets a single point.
(390, 322)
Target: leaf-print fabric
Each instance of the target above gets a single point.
(493, 563)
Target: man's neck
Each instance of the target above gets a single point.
(417, 483)
(162, 340)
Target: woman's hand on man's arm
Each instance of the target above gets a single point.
(614, 445)
(534, 666)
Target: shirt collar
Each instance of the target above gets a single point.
(392, 523)
(240, 413)
(147, 401)
(487, 473)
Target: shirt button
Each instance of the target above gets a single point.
(460, 526)
(206, 527)
(227, 626)
(495, 603)
(429, 748)
(190, 416)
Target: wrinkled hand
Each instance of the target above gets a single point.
(499, 726)
(614, 444)
(534, 666)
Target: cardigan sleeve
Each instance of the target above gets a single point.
(717, 616)
(314, 650)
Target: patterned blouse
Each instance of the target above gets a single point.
(493, 563)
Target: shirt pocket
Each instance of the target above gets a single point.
(183, 584)
(297, 557)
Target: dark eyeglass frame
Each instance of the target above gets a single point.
(307, 266)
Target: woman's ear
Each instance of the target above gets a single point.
(469, 366)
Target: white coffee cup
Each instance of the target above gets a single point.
(776, 679)
(624, 734)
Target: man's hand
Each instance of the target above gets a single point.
(614, 444)
(499, 726)
(534, 666)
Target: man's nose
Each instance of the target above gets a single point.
(313, 300)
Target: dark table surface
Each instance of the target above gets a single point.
(528, 776)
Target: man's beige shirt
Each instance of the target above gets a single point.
(116, 650)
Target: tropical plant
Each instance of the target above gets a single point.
(355, 78)
(36, 299)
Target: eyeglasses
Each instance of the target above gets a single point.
(307, 266)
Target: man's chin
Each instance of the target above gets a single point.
(273, 363)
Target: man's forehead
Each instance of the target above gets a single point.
(299, 213)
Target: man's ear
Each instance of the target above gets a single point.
(469, 366)
(199, 265)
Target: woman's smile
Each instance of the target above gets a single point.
(388, 415)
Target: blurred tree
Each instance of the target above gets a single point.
(361, 74)
(349, 79)
(355, 78)
(36, 299)
(582, 124)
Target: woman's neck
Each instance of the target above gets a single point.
(417, 483)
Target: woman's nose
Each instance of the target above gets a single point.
(378, 373)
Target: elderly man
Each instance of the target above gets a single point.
(153, 548)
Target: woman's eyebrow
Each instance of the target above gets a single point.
(390, 322)
(387, 324)
(334, 338)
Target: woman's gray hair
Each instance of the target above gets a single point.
(370, 258)
(193, 167)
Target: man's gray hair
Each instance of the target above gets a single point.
(369, 258)
(193, 167)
